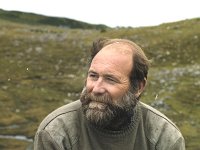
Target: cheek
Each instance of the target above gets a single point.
(88, 85)
(116, 93)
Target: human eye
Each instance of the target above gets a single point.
(111, 80)
(92, 75)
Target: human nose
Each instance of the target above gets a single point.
(98, 87)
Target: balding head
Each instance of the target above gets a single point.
(140, 63)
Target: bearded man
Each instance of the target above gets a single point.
(109, 115)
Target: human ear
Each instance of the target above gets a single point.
(141, 87)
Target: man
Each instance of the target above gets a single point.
(108, 115)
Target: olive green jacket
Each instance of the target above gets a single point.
(67, 129)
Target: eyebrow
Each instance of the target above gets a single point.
(92, 71)
(112, 76)
(107, 75)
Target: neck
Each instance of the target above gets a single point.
(119, 123)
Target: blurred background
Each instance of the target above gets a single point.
(44, 60)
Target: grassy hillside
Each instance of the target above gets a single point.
(35, 19)
(44, 67)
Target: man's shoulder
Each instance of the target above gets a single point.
(154, 113)
(158, 126)
(60, 126)
(61, 115)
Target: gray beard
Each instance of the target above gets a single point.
(103, 112)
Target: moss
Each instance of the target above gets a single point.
(9, 144)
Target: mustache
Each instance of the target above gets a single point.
(86, 98)
(128, 100)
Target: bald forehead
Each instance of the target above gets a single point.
(115, 57)
(120, 48)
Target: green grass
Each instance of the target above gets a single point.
(35, 19)
(44, 67)
(11, 144)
